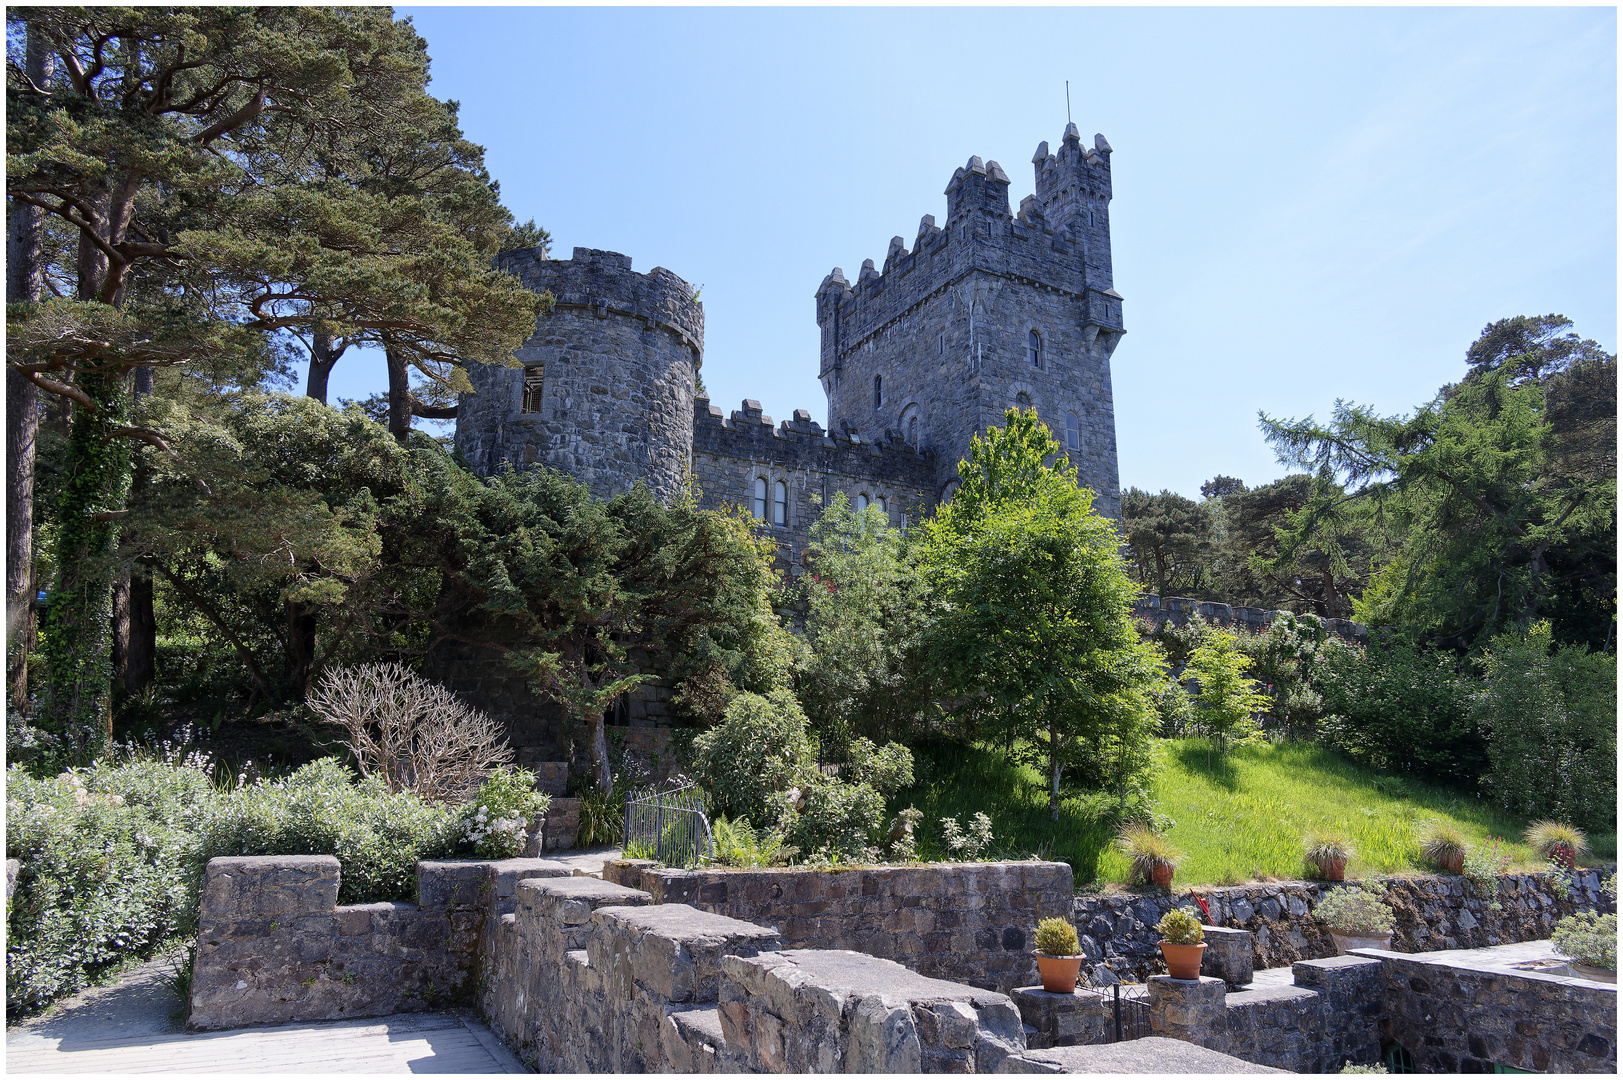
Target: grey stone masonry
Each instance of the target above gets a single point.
(604, 388)
(969, 922)
(939, 343)
(1157, 611)
(1154, 1055)
(1079, 1018)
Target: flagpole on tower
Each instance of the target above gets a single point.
(1067, 101)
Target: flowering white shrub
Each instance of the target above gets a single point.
(498, 818)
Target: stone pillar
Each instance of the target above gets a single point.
(1227, 955)
(1188, 1009)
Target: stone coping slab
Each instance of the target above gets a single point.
(1152, 1054)
(1499, 960)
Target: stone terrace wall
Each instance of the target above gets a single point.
(274, 945)
(968, 922)
(1177, 610)
(587, 976)
(1117, 931)
(1455, 1016)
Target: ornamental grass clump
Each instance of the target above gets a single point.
(1180, 927)
(1327, 853)
(1355, 910)
(1147, 851)
(1444, 845)
(1558, 842)
(1588, 938)
(1056, 937)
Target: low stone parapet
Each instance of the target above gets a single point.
(1079, 1018)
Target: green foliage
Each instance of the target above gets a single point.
(1289, 660)
(1033, 630)
(1320, 849)
(1180, 927)
(1350, 1069)
(1550, 716)
(1400, 706)
(968, 845)
(321, 809)
(603, 814)
(866, 605)
(1170, 540)
(496, 821)
(1485, 863)
(638, 849)
(1355, 909)
(1056, 937)
(1589, 938)
(1228, 700)
(738, 844)
(1147, 851)
(760, 749)
(105, 856)
(835, 821)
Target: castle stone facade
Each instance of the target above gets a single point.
(987, 311)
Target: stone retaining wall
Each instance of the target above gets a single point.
(274, 945)
(968, 922)
(1117, 931)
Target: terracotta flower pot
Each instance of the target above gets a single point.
(1183, 961)
(1453, 863)
(1332, 869)
(1058, 972)
(1347, 942)
(1162, 875)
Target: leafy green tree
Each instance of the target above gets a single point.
(1228, 699)
(866, 607)
(1034, 617)
(1496, 514)
(1550, 716)
(1170, 538)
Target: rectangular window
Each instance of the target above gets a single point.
(941, 344)
(532, 391)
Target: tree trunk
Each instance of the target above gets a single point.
(322, 359)
(1053, 769)
(25, 271)
(399, 395)
(598, 743)
(141, 655)
(301, 648)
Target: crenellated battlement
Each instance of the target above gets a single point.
(604, 283)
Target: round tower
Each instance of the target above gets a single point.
(604, 390)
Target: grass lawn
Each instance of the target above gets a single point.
(1234, 820)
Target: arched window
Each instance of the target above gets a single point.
(884, 507)
(1034, 348)
(878, 391)
(913, 432)
(780, 503)
(1073, 432)
(760, 498)
(862, 501)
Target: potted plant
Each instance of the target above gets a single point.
(1182, 943)
(1328, 854)
(1444, 845)
(1590, 940)
(1557, 843)
(1154, 860)
(1059, 956)
(1358, 919)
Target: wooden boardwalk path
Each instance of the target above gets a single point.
(409, 1043)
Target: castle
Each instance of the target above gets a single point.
(990, 309)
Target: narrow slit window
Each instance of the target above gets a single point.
(760, 498)
(1034, 348)
(780, 503)
(532, 391)
(878, 391)
(1073, 432)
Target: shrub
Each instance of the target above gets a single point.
(496, 821)
(1056, 937)
(1350, 1069)
(760, 749)
(104, 853)
(1228, 699)
(1399, 706)
(1146, 850)
(836, 821)
(1180, 927)
(967, 846)
(1588, 938)
(377, 835)
(1550, 716)
(1485, 863)
(1355, 910)
(739, 844)
(1441, 841)
(409, 732)
(1557, 842)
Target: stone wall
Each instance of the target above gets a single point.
(968, 922)
(1117, 931)
(1177, 610)
(275, 946)
(1455, 1015)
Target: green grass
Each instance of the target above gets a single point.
(1234, 821)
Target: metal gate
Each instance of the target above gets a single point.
(671, 824)
(1130, 1005)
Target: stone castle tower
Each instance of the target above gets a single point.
(988, 311)
(606, 388)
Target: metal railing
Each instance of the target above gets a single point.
(671, 824)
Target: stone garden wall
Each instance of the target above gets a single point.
(969, 922)
(1117, 931)
(274, 945)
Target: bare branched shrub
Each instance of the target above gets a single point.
(409, 731)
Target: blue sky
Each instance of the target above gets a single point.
(1309, 203)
